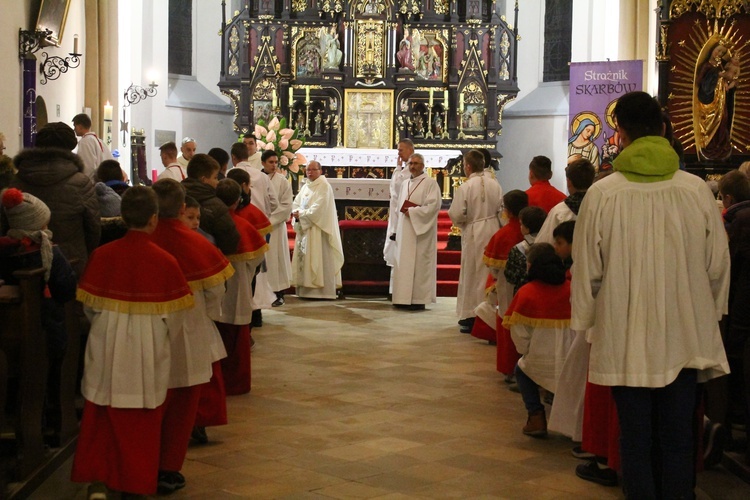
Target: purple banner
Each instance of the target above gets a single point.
(594, 90)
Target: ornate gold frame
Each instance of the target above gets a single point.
(369, 51)
(371, 107)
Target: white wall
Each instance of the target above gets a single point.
(536, 122)
(65, 92)
(145, 40)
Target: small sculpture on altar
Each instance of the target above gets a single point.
(330, 48)
(418, 125)
(438, 124)
(299, 123)
(318, 121)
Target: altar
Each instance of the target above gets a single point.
(360, 177)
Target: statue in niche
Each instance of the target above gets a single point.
(318, 122)
(370, 7)
(404, 54)
(418, 124)
(330, 48)
(438, 124)
(299, 123)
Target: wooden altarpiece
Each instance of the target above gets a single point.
(367, 73)
(701, 53)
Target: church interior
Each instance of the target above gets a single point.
(351, 398)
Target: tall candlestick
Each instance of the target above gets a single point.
(107, 112)
(75, 44)
(445, 99)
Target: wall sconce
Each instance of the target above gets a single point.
(29, 42)
(135, 93)
(52, 67)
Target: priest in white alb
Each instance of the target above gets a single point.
(400, 174)
(278, 264)
(414, 275)
(318, 255)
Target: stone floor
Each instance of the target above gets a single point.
(353, 399)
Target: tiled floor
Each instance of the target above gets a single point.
(353, 399)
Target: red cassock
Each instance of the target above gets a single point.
(121, 446)
(204, 267)
(236, 367)
(496, 255)
(257, 218)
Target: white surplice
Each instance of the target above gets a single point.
(400, 174)
(262, 194)
(278, 263)
(651, 276)
(318, 254)
(476, 209)
(560, 213)
(415, 270)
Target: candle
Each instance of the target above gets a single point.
(75, 44)
(291, 97)
(273, 98)
(431, 96)
(461, 102)
(107, 112)
(445, 99)
(307, 95)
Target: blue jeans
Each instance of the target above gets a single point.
(529, 391)
(664, 414)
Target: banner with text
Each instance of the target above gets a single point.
(594, 90)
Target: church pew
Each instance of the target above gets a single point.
(23, 341)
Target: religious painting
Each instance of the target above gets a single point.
(368, 119)
(422, 51)
(262, 111)
(472, 118)
(308, 53)
(708, 99)
(370, 55)
(52, 16)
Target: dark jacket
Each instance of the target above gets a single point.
(55, 177)
(215, 218)
(737, 220)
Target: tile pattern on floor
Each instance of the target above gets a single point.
(354, 399)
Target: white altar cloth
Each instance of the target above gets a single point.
(360, 157)
(360, 189)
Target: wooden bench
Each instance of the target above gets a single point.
(23, 342)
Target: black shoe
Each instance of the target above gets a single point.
(199, 434)
(715, 437)
(466, 329)
(466, 322)
(257, 319)
(169, 482)
(278, 302)
(591, 472)
(416, 307)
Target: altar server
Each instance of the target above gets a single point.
(278, 263)
(134, 309)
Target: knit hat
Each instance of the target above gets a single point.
(27, 215)
(24, 211)
(56, 135)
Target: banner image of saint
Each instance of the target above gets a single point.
(594, 90)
